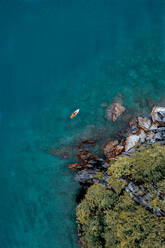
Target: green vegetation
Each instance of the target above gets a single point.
(147, 165)
(111, 219)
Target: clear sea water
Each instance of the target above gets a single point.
(57, 56)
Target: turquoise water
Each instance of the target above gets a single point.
(57, 56)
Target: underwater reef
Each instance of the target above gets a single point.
(122, 201)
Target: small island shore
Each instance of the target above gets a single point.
(123, 199)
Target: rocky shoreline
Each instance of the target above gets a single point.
(97, 172)
(141, 132)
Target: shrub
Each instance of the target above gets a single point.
(111, 219)
(147, 165)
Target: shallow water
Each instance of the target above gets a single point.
(57, 56)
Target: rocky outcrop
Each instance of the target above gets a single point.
(141, 130)
(148, 132)
(139, 195)
(84, 156)
(144, 123)
(114, 111)
(131, 140)
(85, 176)
(88, 166)
(112, 149)
(158, 115)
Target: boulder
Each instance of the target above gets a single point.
(134, 126)
(158, 115)
(112, 149)
(114, 111)
(88, 161)
(98, 163)
(144, 123)
(131, 140)
(85, 176)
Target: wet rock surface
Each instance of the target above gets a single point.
(88, 142)
(114, 111)
(85, 176)
(112, 149)
(84, 156)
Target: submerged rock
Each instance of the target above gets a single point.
(77, 166)
(104, 104)
(85, 156)
(88, 142)
(63, 152)
(114, 111)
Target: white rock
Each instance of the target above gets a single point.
(134, 138)
(131, 141)
(154, 126)
(158, 115)
(144, 123)
(142, 136)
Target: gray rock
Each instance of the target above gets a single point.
(84, 176)
(131, 140)
(101, 181)
(138, 194)
(98, 163)
(128, 153)
(158, 136)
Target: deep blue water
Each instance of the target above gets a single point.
(57, 56)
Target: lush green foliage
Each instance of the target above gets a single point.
(147, 165)
(111, 219)
(90, 213)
